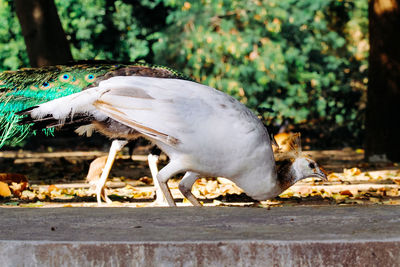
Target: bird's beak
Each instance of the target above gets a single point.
(321, 173)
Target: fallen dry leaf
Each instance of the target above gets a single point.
(4, 190)
(26, 194)
(333, 177)
(346, 193)
(352, 171)
(146, 180)
(396, 180)
(52, 188)
(17, 188)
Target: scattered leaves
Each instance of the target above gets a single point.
(350, 187)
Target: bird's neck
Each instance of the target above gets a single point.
(260, 182)
(286, 174)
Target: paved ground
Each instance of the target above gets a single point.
(209, 236)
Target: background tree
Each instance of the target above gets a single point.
(45, 39)
(383, 109)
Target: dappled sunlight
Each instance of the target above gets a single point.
(385, 6)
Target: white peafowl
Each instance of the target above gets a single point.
(204, 132)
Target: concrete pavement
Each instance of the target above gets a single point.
(208, 236)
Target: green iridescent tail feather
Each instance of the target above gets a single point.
(25, 88)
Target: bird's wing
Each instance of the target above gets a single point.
(161, 109)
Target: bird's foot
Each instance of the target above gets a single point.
(101, 194)
(107, 200)
(105, 197)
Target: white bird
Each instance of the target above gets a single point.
(204, 132)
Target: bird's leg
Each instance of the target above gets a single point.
(116, 146)
(185, 186)
(104, 196)
(160, 199)
(164, 175)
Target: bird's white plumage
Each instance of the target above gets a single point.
(201, 129)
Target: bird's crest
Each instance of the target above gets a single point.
(293, 143)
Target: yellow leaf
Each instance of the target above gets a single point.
(287, 194)
(333, 177)
(352, 171)
(396, 180)
(4, 190)
(52, 188)
(346, 193)
(359, 151)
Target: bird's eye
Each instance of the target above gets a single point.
(311, 165)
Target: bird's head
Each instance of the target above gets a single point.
(294, 166)
(305, 167)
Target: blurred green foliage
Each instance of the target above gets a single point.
(12, 47)
(113, 30)
(306, 59)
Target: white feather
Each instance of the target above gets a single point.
(63, 107)
(216, 135)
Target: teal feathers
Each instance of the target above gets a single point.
(25, 88)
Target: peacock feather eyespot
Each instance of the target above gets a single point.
(45, 86)
(90, 78)
(65, 77)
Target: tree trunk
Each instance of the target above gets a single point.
(383, 107)
(44, 36)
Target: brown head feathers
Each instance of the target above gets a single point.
(289, 147)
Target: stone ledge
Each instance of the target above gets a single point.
(212, 236)
(221, 253)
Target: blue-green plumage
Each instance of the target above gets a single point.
(25, 88)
